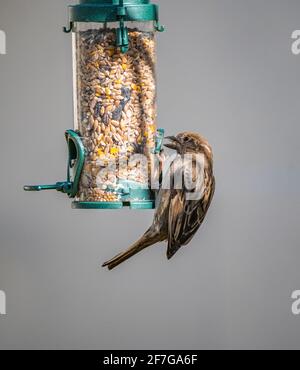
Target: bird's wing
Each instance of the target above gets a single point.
(186, 216)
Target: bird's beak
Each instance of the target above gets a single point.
(173, 144)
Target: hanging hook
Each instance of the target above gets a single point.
(159, 27)
(70, 29)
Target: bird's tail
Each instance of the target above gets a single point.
(149, 238)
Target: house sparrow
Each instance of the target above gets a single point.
(180, 211)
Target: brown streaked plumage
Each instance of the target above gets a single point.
(178, 218)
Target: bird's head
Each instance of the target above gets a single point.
(189, 142)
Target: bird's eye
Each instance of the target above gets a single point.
(186, 139)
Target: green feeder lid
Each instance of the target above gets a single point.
(114, 10)
(104, 11)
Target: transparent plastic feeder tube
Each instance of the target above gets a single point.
(114, 106)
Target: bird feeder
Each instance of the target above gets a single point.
(114, 59)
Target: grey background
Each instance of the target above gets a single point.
(225, 70)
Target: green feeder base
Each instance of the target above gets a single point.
(147, 204)
(127, 190)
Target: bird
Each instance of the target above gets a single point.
(180, 210)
